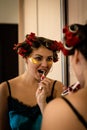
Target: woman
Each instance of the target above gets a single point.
(70, 112)
(23, 98)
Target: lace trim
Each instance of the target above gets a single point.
(22, 109)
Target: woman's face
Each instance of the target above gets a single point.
(39, 61)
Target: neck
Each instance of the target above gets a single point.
(28, 79)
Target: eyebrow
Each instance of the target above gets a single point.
(42, 55)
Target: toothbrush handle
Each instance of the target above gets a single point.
(42, 77)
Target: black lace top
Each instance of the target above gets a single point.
(23, 117)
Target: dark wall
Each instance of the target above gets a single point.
(8, 57)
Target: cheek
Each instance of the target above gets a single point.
(32, 68)
(50, 66)
(30, 65)
(34, 61)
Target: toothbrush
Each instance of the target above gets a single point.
(73, 88)
(42, 77)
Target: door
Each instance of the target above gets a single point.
(8, 58)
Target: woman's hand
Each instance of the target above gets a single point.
(43, 91)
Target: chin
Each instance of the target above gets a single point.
(37, 78)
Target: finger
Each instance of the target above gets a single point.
(40, 88)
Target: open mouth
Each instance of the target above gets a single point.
(42, 74)
(41, 71)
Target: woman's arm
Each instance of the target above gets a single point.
(4, 123)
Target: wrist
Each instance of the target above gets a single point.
(42, 106)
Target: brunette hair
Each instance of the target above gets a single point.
(31, 42)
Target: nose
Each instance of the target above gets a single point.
(44, 63)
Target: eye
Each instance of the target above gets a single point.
(38, 58)
(50, 59)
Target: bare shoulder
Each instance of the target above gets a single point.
(55, 105)
(3, 99)
(57, 83)
(54, 114)
(60, 116)
(4, 85)
(58, 88)
(3, 96)
(3, 88)
(4, 91)
(4, 106)
(55, 108)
